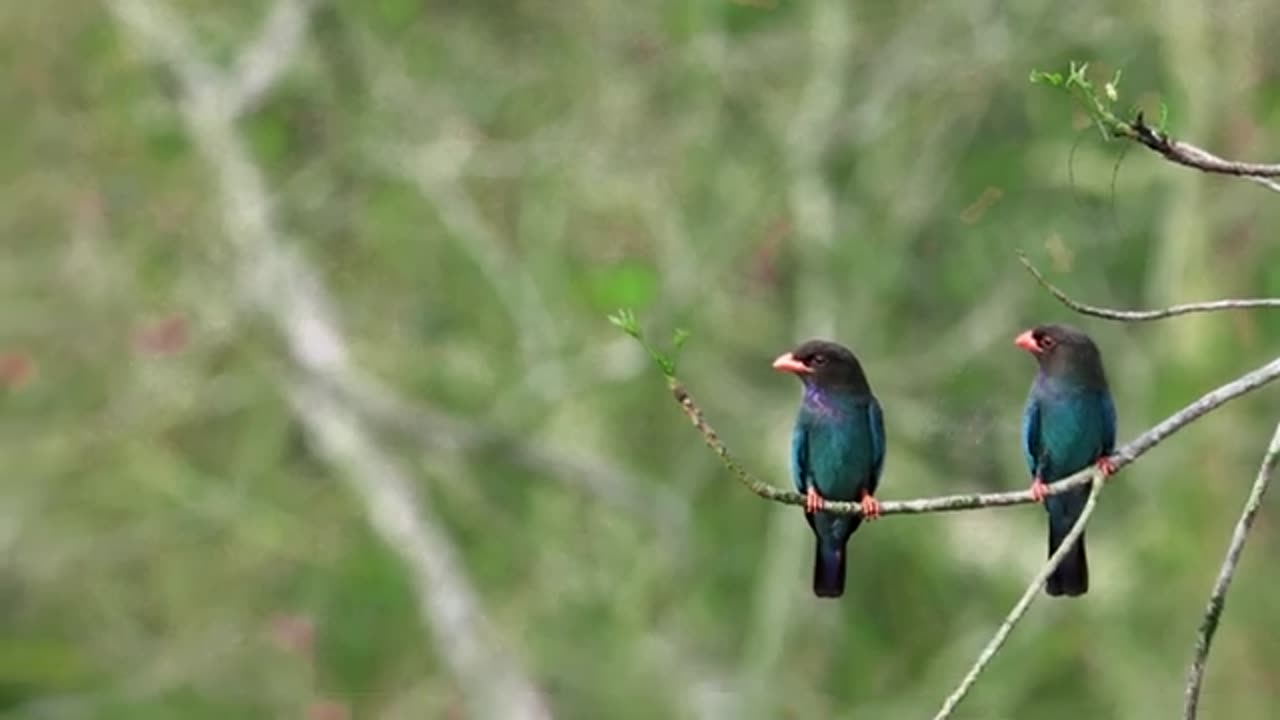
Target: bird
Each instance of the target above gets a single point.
(1068, 424)
(837, 451)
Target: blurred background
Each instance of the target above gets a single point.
(311, 408)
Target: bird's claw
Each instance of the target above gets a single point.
(812, 501)
(870, 507)
(1106, 465)
(1039, 490)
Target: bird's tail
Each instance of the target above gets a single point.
(828, 569)
(1071, 578)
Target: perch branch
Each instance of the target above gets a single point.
(945, 503)
(1217, 598)
(1029, 596)
(1142, 315)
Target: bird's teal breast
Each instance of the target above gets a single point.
(1071, 429)
(840, 453)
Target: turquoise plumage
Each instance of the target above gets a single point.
(837, 451)
(1068, 424)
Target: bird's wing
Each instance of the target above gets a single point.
(800, 457)
(1031, 435)
(1108, 422)
(876, 423)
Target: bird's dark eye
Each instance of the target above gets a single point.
(1047, 341)
(819, 360)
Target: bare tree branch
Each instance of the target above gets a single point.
(1028, 596)
(261, 64)
(279, 284)
(437, 430)
(973, 501)
(1194, 157)
(1143, 315)
(1218, 597)
(491, 685)
(1101, 108)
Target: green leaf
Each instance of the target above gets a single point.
(1040, 77)
(625, 319)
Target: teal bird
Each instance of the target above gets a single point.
(1069, 423)
(837, 450)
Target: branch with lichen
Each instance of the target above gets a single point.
(1102, 110)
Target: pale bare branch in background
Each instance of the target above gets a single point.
(437, 430)
(492, 686)
(261, 64)
(278, 283)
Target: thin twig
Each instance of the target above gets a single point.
(1217, 598)
(1029, 596)
(1142, 315)
(945, 503)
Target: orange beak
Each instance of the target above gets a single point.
(787, 362)
(1027, 342)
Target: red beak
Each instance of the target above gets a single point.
(787, 362)
(1027, 342)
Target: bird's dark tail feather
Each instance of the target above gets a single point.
(1071, 578)
(828, 570)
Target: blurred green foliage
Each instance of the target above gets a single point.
(477, 184)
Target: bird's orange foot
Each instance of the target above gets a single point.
(812, 501)
(870, 507)
(1106, 466)
(1039, 490)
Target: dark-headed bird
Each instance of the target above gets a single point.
(1069, 423)
(837, 450)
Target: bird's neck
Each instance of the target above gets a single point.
(1066, 370)
(826, 402)
(1061, 382)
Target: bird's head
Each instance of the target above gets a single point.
(1064, 351)
(824, 365)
